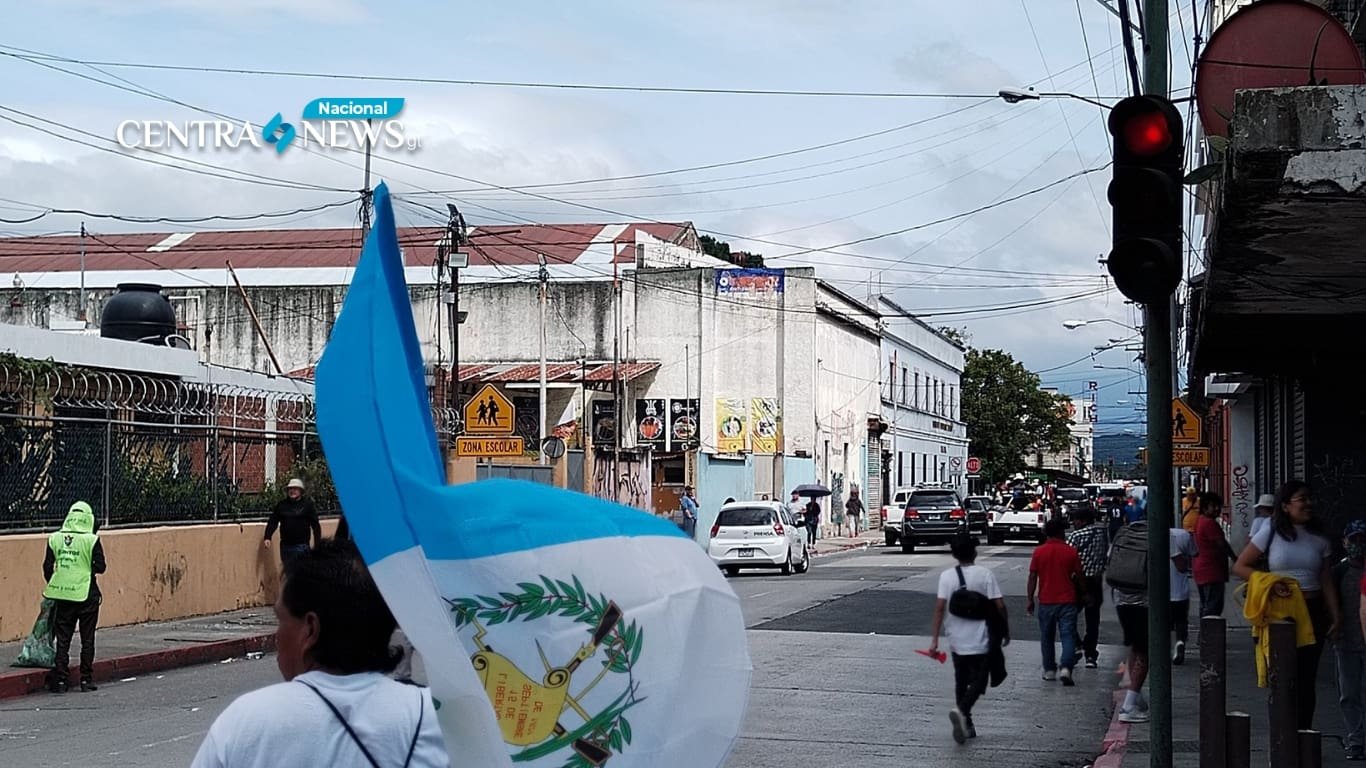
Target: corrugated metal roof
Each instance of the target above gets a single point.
(295, 248)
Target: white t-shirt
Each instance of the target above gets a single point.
(1258, 523)
(968, 637)
(1301, 559)
(1182, 543)
(286, 724)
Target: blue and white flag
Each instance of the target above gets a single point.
(556, 629)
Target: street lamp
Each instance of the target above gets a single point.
(1017, 95)
(1073, 325)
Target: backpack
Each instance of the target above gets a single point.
(966, 603)
(1128, 568)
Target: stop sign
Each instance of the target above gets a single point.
(974, 464)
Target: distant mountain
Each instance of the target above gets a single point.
(1122, 449)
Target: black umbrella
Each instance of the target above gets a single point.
(811, 490)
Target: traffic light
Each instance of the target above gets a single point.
(1145, 196)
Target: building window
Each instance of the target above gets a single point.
(953, 402)
(891, 380)
(900, 468)
(905, 383)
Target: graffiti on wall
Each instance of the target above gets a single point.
(1241, 498)
(630, 485)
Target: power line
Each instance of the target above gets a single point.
(49, 211)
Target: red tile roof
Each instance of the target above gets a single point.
(295, 248)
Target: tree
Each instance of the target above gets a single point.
(1008, 415)
(959, 336)
(720, 249)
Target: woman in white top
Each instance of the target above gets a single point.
(1295, 546)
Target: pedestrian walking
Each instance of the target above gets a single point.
(73, 559)
(1213, 554)
(1350, 648)
(968, 607)
(689, 504)
(813, 521)
(1295, 547)
(1132, 609)
(1182, 550)
(1091, 540)
(296, 518)
(1055, 574)
(337, 706)
(853, 510)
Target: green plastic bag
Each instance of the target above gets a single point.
(40, 647)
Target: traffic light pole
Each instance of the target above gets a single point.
(1158, 328)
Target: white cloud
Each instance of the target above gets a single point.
(246, 12)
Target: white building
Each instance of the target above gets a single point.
(1079, 457)
(921, 373)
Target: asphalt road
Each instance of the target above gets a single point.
(836, 683)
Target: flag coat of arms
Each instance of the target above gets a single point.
(556, 629)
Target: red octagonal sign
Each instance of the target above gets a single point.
(974, 465)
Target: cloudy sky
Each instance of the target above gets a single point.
(879, 171)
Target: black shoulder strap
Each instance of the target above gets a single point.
(347, 726)
(421, 713)
(962, 582)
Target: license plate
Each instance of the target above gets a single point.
(1014, 529)
(746, 553)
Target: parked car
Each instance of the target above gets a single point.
(932, 517)
(1072, 499)
(758, 534)
(1009, 524)
(892, 513)
(979, 512)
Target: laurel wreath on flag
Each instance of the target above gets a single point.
(553, 597)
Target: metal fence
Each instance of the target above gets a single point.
(150, 450)
(138, 473)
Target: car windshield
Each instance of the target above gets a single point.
(744, 516)
(976, 504)
(1112, 493)
(933, 498)
(1071, 494)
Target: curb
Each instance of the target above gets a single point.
(839, 549)
(15, 684)
(1116, 739)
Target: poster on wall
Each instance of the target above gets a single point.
(765, 420)
(749, 282)
(651, 423)
(604, 423)
(683, 424)
(732, 414)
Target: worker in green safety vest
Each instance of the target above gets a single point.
(74, 556)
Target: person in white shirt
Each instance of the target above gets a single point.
(1182, 557)
(338, 707)
(1265, 506)
(970, 640)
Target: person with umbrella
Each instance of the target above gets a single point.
(812, 491)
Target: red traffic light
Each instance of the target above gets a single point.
(1147, 133)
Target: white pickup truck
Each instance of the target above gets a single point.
(892, 513)
(1006, 524)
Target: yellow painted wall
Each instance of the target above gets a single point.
(154, 574)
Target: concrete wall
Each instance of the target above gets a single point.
(847, 374)
(154, 574)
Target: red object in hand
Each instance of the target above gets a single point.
(938, 656)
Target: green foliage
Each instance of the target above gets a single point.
(317, 484)
(720, 249)
(1008, 415)
(958, 336)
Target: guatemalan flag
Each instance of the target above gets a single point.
(557, 629)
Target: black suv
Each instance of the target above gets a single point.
(933, 516)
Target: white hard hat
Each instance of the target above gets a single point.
(1267, 500)
(296, 483)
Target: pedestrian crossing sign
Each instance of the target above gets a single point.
(1187, 427)
(489, 413)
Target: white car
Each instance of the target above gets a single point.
(758, 534)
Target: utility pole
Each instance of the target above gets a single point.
(1159, 327)
(544, 277)
(82, 315)
(366, 195)
(456, 259)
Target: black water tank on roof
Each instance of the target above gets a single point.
(138, 312)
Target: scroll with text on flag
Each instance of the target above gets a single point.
(558, 629)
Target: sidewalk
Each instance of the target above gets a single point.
(832, 544)
(1243, 695)
(140, 649)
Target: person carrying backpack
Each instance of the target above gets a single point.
(1127, 575)
(977, 629)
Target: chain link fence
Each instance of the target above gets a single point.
(140, 473)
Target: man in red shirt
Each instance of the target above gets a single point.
(1212, 555)
(1055, 572)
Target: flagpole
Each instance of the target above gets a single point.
(544, 276)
